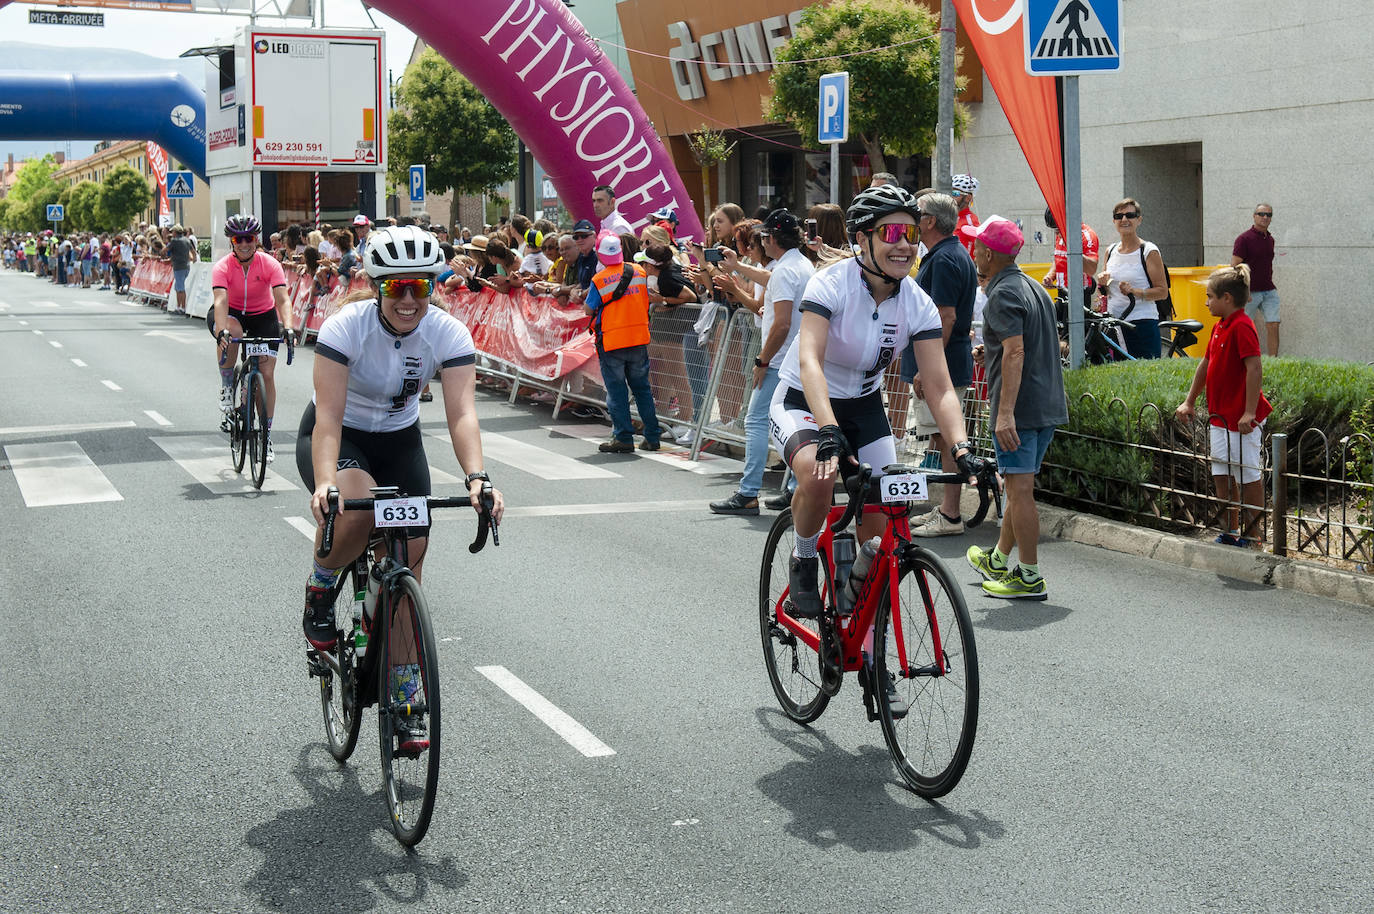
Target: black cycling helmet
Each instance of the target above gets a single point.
(242, 224)
(876, 202)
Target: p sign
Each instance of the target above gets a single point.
(55, 212)
(417, 184)
(833, 119)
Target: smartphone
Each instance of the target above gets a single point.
(810, 229)
(714, 255)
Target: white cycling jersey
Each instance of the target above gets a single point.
(864, 337)
(386, 372)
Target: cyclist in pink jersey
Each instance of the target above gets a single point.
(250, 300)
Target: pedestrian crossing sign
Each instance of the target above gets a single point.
(1072, 37)
(179, 185)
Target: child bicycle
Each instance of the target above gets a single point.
(247, 419)
(919, 667)
(398, 672)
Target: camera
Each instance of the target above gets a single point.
(714, 255)
(810, 229)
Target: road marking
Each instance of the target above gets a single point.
(157, 417)
(78, 363)
(672, 455)
(206, 459)
(538, 461)
(132, 304)
(36, 332)
(58, 473)
(23, 323)
(557, 720)
(54, 344)
(29, 431)
(188, 337)
(442, 477)
(626, 507)
(111, 384)
(46, 304)
(304, 525)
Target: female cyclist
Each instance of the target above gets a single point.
(827, 413)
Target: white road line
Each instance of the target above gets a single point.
(538, 461)
(29, 431)
(36, 332)
(54, 344)
(78, 363)
(46, 304)
(23, 323)
(628, 507)
(58, 473)
(557, 720)
(206, 459)
(111, 384)
(304, 525)
(442, 477)
(674, 455)
(157, 417)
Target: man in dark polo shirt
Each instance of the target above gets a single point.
(586, 265)
(948, 276)
(1254, 247)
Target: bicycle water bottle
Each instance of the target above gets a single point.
(374, 587)
(842, 550)
(359, 633)
(863, 563)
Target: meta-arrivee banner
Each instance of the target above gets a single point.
(536, 64)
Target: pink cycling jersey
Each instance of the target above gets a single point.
(250, 292)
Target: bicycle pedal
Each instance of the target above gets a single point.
(314, 665)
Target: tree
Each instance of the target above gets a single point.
(123, 195)
(34, 188)
(83, 205)
(442, 122)
(894, 94)
(708, 147)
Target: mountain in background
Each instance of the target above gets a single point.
(19, 55)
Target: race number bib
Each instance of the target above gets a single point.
(903, 487)
(259, 349)
(401, 512)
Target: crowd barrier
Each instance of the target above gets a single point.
(151, 283)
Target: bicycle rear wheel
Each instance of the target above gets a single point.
(339, 694)
(407, 698)
(931, 745)
(238, 438)
(256, 429)
(794, 667)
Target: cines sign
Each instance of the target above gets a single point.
(748, 48)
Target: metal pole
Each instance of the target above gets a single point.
(835, 173)
(1073, 221)
(944, 126)
(1278, 469)
(521, 197)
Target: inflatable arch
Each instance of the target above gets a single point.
(163, 107)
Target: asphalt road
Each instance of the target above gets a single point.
(1151, 738)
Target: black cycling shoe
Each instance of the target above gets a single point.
(801, 581)
(778, 502)
(319, 617)
(896, 706)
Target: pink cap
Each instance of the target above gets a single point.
(608, 250)
(1000, 235)
(360, 219)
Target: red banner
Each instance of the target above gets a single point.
(152, 278)
(157, 161)
(995, 29)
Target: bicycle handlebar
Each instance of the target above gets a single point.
(1107, 318)
(985, 476)
(485, 522)
(290, 344)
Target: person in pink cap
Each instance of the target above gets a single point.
(1027, 403)
(618, 300)
(362, 227)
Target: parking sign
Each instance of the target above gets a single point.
(833, 119)
(417, 184)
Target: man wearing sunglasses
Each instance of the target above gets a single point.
(1254, 247)
(249, 289)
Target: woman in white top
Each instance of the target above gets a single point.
(1133, 280)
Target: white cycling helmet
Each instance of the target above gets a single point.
(402, 249)
(964, 184)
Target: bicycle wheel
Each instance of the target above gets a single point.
(794, 667)
(339, 694)
(931, 745)
(407, 696)
(256, 428)
(238, 438)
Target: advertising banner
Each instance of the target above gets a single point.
(157, 161)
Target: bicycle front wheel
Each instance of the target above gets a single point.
(408, 711)
(256, 430)
(238, 433)
(794, 667)
(339, 694)
(932, 743)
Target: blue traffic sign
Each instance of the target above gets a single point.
(833, 115)
(417, 183)
(180, 185)
(1072, 37)
(55, 212)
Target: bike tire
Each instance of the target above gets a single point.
(257, 429)
(409, 780)
(238, 437)
(793, 666)
(339, 694)
(932, 744)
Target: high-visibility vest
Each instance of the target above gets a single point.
(622, 322)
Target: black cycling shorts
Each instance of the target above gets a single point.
(390, 458)
(862, 421)
(264, 324)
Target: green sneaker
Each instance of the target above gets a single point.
(1014, 587)
(981, 560)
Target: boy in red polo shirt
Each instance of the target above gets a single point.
(1236, 406)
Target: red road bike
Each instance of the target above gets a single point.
(920, 624)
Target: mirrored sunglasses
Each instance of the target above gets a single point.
(895, 231)
(397, 288)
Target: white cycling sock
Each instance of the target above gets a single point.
(805, 546)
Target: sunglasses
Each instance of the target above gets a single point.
(896, 231)
(396, 288)
(244, 239)
(1268, 215)
(1119, 216)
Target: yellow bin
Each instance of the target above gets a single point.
(1188, 287)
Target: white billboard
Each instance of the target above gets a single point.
(315, 100)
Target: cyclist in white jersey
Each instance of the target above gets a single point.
(827, 415)
(362, 428)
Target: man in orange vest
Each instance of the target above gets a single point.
(618, 301)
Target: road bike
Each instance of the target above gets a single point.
(247, 420)
(1177, 336)
(922, 641)
(385, 652)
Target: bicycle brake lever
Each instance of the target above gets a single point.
(332, 511)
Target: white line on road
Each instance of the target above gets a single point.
(672, 454)
(304, 525)
(206, 459)
(557, 720)
(46, 304)
(78, 363)
(58, 473)
(23, 323)
(112, 385)
(624, 507)
(29, 431)
(37, 332)
(157, 417)
(538, 461)
(54, 344)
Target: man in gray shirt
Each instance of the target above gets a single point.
(179, 252)
(1026, 391)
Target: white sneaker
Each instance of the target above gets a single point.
(271, 456)
(936, 524)
(226, 399)
(687, 437)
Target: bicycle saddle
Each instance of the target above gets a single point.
(1191, 326)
